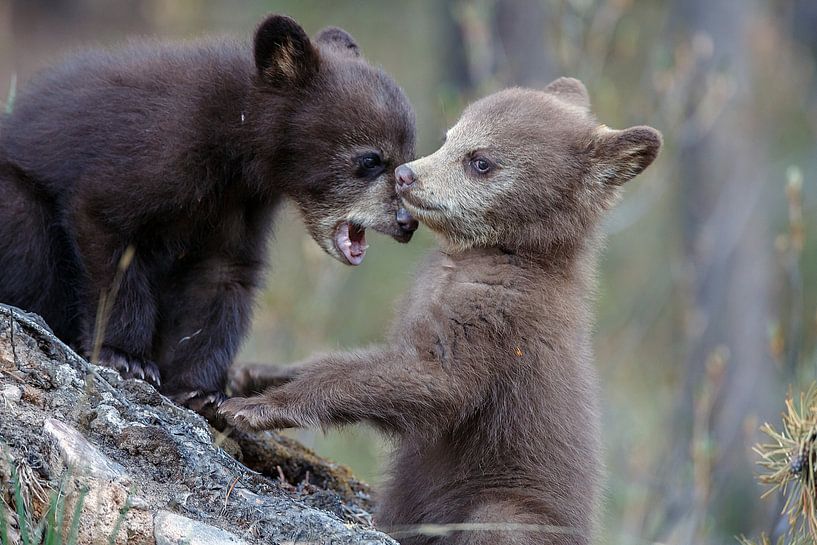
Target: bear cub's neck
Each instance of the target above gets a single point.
(557, 267)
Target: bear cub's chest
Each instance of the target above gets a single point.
(448, 314)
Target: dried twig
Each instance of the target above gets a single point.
(107, 300)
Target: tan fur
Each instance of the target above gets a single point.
(486, 379)
(286, 61)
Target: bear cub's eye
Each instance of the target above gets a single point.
(370, 162)
(370, 165)
(481, 165)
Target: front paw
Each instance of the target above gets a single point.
(254, 378)
(130, 366)
(258, 413)
(199, 400)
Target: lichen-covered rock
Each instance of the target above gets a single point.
(151, 471)
(72, 449)
(172, 529)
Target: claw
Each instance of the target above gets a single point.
(184, 397)
(216, 399)
(153, 376)
(198, 400)
(129, 366)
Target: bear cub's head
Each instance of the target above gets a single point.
(525, 170)
(333, 128)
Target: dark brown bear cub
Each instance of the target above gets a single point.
(487, 380)
(168, 161)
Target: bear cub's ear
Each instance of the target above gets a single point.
(619, 156)
(570, 90)
(339, 41)
(283, 53)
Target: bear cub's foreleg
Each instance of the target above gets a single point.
(393, 389)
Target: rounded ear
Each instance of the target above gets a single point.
(570, 90)
(338, 40)
(619, 156)
(283, 53)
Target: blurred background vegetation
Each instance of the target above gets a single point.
(707, 300)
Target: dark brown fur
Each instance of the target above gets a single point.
(182, 152)
(487, 378)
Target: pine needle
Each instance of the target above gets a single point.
(789, 462)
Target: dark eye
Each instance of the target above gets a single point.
(481, 165)
(370, 162)
(370, 165)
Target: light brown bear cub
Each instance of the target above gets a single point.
(487, 379)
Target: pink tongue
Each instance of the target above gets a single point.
(351, 241)
(358, 238)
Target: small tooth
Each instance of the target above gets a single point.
(347, 243)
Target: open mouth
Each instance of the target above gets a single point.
(350, 240)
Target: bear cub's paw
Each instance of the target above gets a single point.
(246, 379)
(257, 413)
(129, 366)
(199, 400)
(206, 403)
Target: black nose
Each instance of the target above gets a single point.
(405, 221)
(405, 177)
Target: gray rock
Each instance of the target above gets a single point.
(11, 394)
(154, 470)
(107, 420)
(80, 454)
(172, 529)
